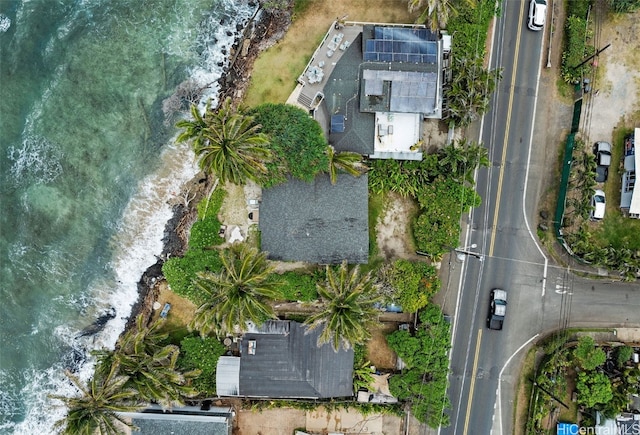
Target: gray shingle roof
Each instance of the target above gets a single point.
(316, 222)
(186, 420)
(342, 93)
(288, 364)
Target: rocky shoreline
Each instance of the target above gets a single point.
(262, 32)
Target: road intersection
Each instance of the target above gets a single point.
(543, 296)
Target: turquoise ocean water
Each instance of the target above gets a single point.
(87, 165)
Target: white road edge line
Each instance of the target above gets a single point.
(500, 378)
(526, 177)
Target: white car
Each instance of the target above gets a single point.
(598, 203)
(537, 14)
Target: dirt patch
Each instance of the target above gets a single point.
(182, 310)
(393, 231)
(378, 351)
(281, 421)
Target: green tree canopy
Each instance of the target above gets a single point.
(149, 363)
(470, 90)
(587, 355)
(96, 409)
(296, 141)
(348, 311)
(239, 293)
(228, 143)
(593, 388)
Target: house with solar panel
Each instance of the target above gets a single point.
(371, 86)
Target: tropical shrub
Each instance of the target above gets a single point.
(202, 354)
(623, 355)
(298, 286)
(180, 272)
(442, 202)
(424, 382)
(587, 355)
(205, 231)
(414, 283)
(576, 50)
(296, 141)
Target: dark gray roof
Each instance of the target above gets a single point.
(288, 364)
(316, 222)
(187, 420)
(342, 94)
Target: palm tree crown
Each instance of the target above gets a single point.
(227, 143)
(349, 308)
(96, 410)
(238, 294)
(345, 161)
(150, 365)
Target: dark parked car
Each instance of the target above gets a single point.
(602, 173)
(497, 309)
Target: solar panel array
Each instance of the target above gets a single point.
(394, 44)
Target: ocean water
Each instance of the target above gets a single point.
(87, 166)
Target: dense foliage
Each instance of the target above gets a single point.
(298, 286)
(205, 231)
(624, 6)
(576, 49)
(348, 307)
(201, 354)
(587, 355)
(442, 203)
(238, 294)
(470, 90)
(593, 388)
(414, 283)
(424, 381)
(470, 27)
(296, 141)
(180, 272)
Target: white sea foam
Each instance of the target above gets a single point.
(137, 242)
(5, 23)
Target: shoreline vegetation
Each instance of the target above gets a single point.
(263, 31)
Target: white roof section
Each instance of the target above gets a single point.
(395, 134)
(228, 376)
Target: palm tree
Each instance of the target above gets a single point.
(435, 12)
(349, 308)
(345, 161)
(149, 365)
(238, 294)
(452, 159)
(96, 410)
(195, 129)
(470, 90)
(228, 144)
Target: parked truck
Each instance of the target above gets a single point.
(497, 309)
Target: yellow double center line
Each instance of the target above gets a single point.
(505, 146)
(473, 381)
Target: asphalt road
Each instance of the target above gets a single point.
(542, 296)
